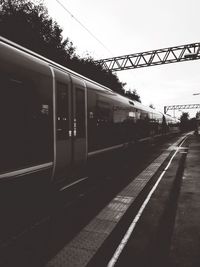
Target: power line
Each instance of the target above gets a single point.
(83, 26)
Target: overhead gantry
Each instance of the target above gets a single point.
(179, 107)
(152, 58)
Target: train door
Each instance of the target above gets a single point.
(79, 122)
(62, 124)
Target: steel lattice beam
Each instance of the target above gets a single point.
(152, 58)
(177, 107)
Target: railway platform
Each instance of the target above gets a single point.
(154, 221)
(168, 231)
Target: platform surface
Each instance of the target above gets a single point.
(169, 228)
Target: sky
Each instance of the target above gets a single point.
(131, 26)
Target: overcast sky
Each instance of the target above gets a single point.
(130, 26)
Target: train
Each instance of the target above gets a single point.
(54, 121)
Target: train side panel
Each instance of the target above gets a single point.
(26, 137)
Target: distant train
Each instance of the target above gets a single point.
(53, 121)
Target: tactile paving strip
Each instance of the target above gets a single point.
(84, 246)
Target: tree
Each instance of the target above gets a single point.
(132, 94)
(198, 115)
(184, 117)
(184, 121)
(89, 68)
(29, 25)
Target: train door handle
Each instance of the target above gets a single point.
(74, 126)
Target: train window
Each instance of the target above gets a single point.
(92, 121)
(103, 111)
(105, 129)
(80, 113)
(62, 111)
(25, 136)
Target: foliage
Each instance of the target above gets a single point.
(29, 25)
(187, 124)
(132, 94)
(184, 117)
(87, 67)
(198, 115)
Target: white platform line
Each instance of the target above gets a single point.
(126, 237)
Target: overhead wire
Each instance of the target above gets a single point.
(78, 21)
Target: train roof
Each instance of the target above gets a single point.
(126, 100)
(139, 105)
(49, 61)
